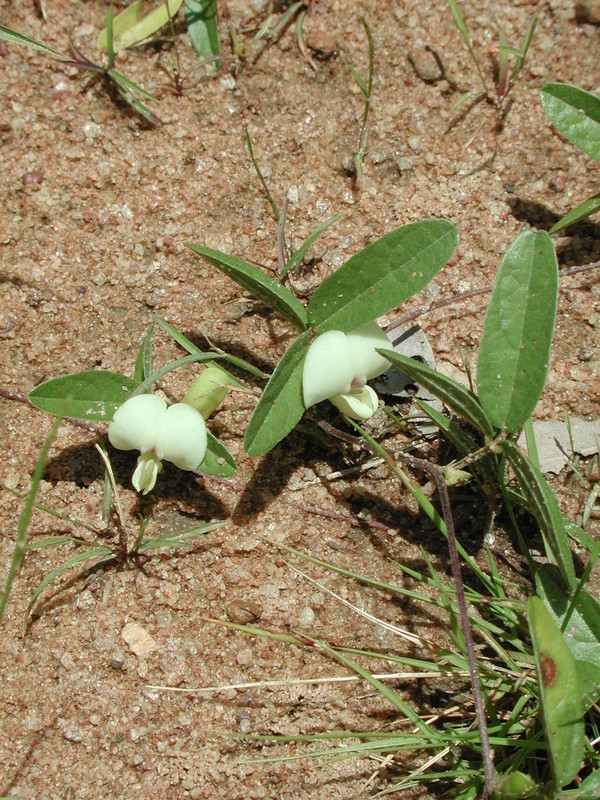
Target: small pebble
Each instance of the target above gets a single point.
(306, 617)
(138, 640)
(242, 612)
(425, 65)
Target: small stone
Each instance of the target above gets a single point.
(425, 65)
(322, 43)
(415, 144)
(91, 130)
(242, 612)
(245, 657)
(138, 640)
(306, 617)
(586, 354)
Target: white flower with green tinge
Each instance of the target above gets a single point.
(338, 366)
(174, 433)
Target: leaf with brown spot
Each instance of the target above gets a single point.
(560, 694)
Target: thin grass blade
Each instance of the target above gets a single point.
(458, 398)
(20, 545)
(182, 539)
(14, 37)
(101, 554)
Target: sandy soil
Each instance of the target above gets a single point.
(95, 211)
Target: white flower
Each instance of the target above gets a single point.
(338, 366)
(175, 433)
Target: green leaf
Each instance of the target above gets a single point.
(266, 289)
(144, 361)
(582, 632)
(110, 38)
(134, 33)
(560, 694)
(542, 503)
(120, 24)
(589, 206)
(218, 461)
(281, 404)
(458, 398)
(575, 113)
(383, 275)
(182, 539)
(201, 21)
(91, 396)
(8, 35)
(517, 332)
(590, 787)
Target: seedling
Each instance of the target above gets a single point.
(129, 91)
(286, 262)
(506, 77)
(355, 169)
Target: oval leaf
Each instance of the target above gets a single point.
(92, 396)
(383, 275)
(575, 113)
(560, 694)
(582, 633)
(457, 397)
(218, 461)
(266, 289)
(201, 22)
(517, 332)
(281, 404)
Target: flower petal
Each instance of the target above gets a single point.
(327, 368)
(358, 404)
(144, 477)
(182, 438)
(136, 424)
(362, 342)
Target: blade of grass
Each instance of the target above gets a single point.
(184, 342)
(462, 28)
(20, 544)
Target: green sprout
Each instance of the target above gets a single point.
(129, 91)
